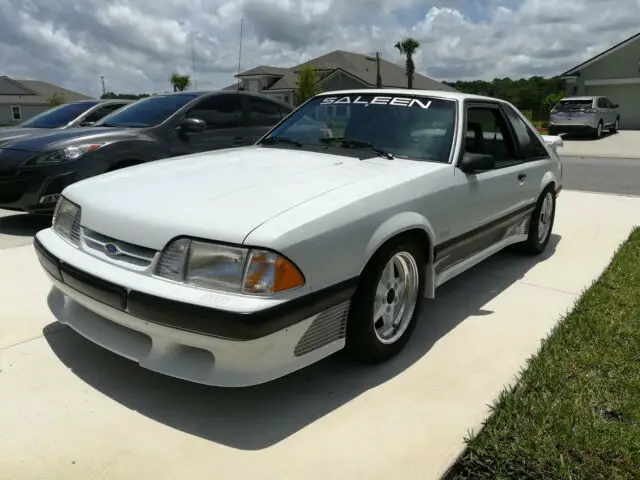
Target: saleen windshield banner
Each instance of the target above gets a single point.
(393, 101)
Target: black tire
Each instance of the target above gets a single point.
(615, 126)
(599, 130)
(534, 245)
(363, 343)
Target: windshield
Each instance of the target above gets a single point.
(147, 112)
(573, 105)
(59, 116)
(406, 126)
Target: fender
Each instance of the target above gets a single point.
(547, 178)
(399, 223)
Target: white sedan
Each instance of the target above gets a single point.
(236, 267)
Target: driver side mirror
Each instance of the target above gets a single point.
(192, 125)
(615, 105)
(476, 162)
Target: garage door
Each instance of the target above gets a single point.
(628, 97)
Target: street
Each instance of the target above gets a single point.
(604, 175)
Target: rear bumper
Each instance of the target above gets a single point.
(196, 343)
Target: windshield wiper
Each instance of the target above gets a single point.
(274, 140)
(351, 142)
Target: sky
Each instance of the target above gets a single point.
(137, 44)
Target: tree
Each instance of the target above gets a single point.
(551, 100)
(180, 82)
(307, 84)
(56, 99)
(408, 47)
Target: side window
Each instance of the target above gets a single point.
(609, 103)
(263, 113)
(602, 103)
(530, 146)
(220, 111)
(487, 133)
(101, 112)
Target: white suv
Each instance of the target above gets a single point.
(584, 114)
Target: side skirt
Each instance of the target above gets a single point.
(458, 255)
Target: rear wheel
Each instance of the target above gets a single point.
(541, 223)
(387, 302)
(599, 128)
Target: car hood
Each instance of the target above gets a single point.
(14, 133)
(220, 195)
(45, 139)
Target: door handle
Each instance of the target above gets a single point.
(522, 177)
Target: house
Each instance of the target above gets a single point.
(615, 74)
(23, 99)
(338, 70)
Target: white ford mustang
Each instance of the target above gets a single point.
(239, 266)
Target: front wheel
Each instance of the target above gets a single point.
(541, 223)
(615, 127)
(386, 303)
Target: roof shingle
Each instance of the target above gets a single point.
(43, 91)
(358, 65)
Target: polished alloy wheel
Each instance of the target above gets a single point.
(544, 220)
(396, 297)
(599, 132)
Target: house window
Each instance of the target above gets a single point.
(16, 113)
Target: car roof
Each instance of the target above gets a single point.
(420, 93)
(586, 97)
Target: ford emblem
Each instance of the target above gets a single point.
(111, 249)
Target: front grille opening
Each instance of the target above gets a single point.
(124, 251)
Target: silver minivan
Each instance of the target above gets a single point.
(584, 115)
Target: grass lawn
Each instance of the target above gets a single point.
(575, 412)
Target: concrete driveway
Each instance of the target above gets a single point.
(624, 144)
(69, 409)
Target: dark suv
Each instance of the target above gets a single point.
(35, 170)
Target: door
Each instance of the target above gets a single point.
(262, 115)
(613, 114)
(603, 111)
(532, 153)
(222, 114)
(489, 201)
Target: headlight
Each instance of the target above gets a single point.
(65, 155)
(66, 220)
(227, 268)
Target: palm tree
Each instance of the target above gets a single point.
(180, 82)
(408, 47)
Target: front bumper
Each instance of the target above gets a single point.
(198, 343)
(22, 189)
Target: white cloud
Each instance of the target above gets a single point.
(136, 44)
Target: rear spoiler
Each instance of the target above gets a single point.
(554, 141)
